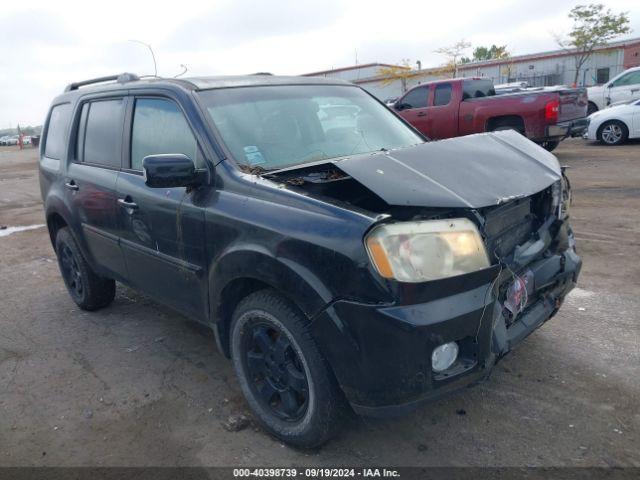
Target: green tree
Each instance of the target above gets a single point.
(493, 52)
(593, 26)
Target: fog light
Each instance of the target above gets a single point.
(444, 356)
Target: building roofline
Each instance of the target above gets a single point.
(548, 54)
(518, 58)
(352, 67)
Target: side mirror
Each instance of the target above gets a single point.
(170, 170)
(401, 106)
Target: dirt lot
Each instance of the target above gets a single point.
(136, 384)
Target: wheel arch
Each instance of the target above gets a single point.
(55, 222)
(610, 120)
(242, 272)
(515, 121)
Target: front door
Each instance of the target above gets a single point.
(625, 88)
(162, 230)
(635, 120)
(90, 182)
(413, 108)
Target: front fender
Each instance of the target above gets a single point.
(293, 280)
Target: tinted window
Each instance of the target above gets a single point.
(477, 89)
(442, 95)
(416, 98)
(103, 133)
(159, 127)
(81, 131)
(57, 131)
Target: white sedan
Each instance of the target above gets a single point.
(614, 125)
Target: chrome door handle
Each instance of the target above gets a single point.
(71, 185)
(127, 203)
(421, 114)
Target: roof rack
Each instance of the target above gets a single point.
(121, 78)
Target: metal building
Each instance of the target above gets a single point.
(555, 67)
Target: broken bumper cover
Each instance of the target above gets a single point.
(381, 355)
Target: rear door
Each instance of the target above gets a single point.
(413, 108)
(90, 183)
(162, 229)
(625, 88)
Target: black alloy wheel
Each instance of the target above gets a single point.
(288, 384)
(71, 272)
(276, 373)
(89, 290)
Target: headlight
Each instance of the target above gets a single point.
(426, 250)
(561, 197)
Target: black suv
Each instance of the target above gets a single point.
(340, 258)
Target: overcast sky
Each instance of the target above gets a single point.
(46, 44)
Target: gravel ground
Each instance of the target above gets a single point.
(137, 385)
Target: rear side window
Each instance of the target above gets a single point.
(102, 133)
(416, 98)
(477, 89)
(57, 131)
(160, 127)
(442, 95)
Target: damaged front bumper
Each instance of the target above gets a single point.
(381, 354)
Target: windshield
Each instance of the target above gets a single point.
(274, 127)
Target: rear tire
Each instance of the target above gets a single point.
(550, 145)
(613, 132)
(591, 108)
(506, 127)
(87, 289)
(287, 383)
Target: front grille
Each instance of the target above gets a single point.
(507, 226)
(512, 224)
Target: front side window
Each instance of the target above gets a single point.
(442, 94)
(632, 78)
(278, 126)
(159, 127)
(57, 131)
(103, 133)
(416, 98)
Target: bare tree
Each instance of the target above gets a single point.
(593, 26)
(453, 53)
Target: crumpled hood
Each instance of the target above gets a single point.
(466, 172)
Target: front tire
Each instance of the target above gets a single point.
(287, 383)
(87, 289)
(613, 132)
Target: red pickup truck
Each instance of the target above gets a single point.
(461, 106)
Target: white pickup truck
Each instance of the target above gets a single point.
(621, 88)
